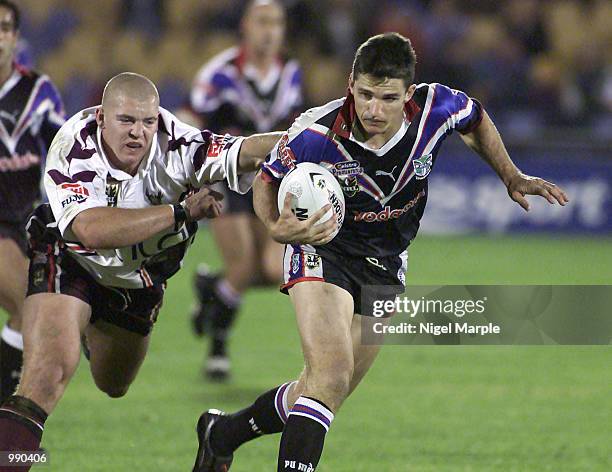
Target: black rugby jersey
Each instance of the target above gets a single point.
(31, 112)
(385, 189)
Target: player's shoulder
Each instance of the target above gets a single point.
(319, 118)
(445, 95)
(218, 67)
(170, 125)
(291, 67)
(76, 137)
(32, 75)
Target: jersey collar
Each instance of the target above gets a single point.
(10, 82)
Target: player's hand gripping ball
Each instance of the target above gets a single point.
(312, 187)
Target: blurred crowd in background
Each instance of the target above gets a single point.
(540, 67)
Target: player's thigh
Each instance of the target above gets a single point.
(13, 278)
(324, 313)
(364, 354)
(235, 239)
(52, 328)
(270, 253)
(115, 355)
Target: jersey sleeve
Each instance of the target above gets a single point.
(197, 157)
(54, 116)
(206, 93)
(464, 113)
(299, 144)
(217, 159)
(71, 180)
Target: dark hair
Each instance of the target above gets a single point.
(388, 55)
(11, 6)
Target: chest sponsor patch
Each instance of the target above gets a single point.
(346, 173)
(73, 199)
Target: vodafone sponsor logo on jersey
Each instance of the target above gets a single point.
(387, 214)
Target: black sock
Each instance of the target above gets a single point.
(266, 416)
(304, 434)
(11, 359)
(21, 425)
(223, 313)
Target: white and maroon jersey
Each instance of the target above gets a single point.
(228, 94)
(79, 176)
(31, 112)
(385, 189)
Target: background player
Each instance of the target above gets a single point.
(245, 89)
(386, 123)
(121, 181)
(31, 112)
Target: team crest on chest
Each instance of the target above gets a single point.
(112, 191)
(422, 166)
(154, 198)
(346, 173)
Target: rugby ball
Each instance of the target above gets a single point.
(312, 187)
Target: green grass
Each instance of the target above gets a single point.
(420, 409)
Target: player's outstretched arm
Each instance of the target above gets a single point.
(111, 228)
(285, 227)
(486, 141)
(254, 150)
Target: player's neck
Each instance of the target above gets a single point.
(5, 72)
(261, 63)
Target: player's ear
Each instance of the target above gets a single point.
(409, 93)
(351, 83)
(100, 117)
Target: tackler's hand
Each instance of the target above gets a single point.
(205, 203)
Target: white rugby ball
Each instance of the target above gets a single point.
(312, 187)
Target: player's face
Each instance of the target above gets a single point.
(379, 104)
(8, 36)
(264, 28)
(128, 128)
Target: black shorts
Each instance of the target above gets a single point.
(16, 232)
(365, 278)
(54, 271)
(235, 203)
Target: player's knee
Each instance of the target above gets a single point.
(13, 307)
(271, 270)
(334, 380)
(113, 390)
(241, 273)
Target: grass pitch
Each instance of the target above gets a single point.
(427, 408)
